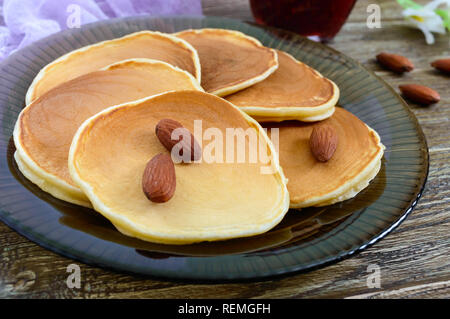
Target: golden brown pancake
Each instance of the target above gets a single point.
(354, 164)
(213, 200)
(230, 60)
(293, 91)
(144, 44)
(45, 128)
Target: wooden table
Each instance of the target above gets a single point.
(414, 259)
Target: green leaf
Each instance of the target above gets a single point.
(409, 4)
(445, 15)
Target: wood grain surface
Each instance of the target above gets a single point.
(414, 259)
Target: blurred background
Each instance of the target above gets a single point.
(25, 21)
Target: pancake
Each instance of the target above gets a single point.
(144, 44)
(45, 128)
(230, 60)
(294, 91)
(213, 200)
(354, 164)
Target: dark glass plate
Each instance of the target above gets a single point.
(303, 240)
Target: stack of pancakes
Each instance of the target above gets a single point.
(88, 130)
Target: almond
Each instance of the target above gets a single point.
(395, 62)
(323, 142)
(419, 94)
(158, 180)
(189, 150)
(442, 65)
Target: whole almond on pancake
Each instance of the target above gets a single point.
(323, 142)
(164, 130)
(158, 180)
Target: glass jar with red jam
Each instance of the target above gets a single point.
(319, 18)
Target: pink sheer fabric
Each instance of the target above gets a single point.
(25, 21)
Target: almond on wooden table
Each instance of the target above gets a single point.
(164, 130)
(323, 142)
(159, 180)
(442, 65)
(395, 62)
(419, 94)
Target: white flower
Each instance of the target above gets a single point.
(426, 19)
